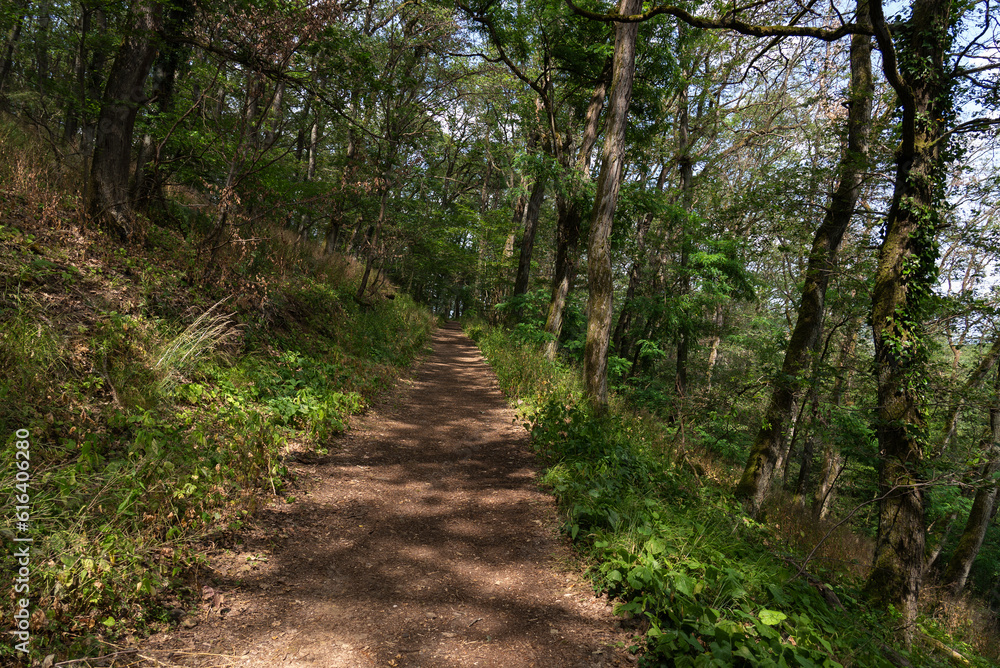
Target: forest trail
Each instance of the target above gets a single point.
(422, 540)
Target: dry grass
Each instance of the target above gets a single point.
(707, 465)
(34, 188)
(291, 252)
(838, 550)
(965, 618)
(292, 255)
(203, 337)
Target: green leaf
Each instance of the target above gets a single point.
(655, 546)
(684, 584)
(772, 617)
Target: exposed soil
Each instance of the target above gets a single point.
(423, 539)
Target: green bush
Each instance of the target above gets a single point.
(151, 435)
(708, 582)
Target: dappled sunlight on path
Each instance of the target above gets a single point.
(424, 541)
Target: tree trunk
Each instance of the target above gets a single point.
(567, 240)
(904, 279)
(521, 205)
(12, 39)
(685, 168)
(147, 186)
(972, 383)
(808, 448)
(981, 513)
(76, 104)
(484, 200)
(768, 447)
(599, 302)
(713, 352)
(313, 146)
(570, 210)
(123, 96)
(42, 25)
(370, 245)
(635, 275)
(98, 59)
(833, 462)
(531, 216)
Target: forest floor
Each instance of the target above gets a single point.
(421, 539)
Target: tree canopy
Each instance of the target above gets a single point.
(772, 224)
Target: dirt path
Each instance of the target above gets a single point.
(422, 541)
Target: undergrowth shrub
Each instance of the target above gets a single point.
(521, 368)
(683, 559)
(160, 415)
(710, 586)
(303, 392)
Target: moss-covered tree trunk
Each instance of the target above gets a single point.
(901, 296)
(599, 302)
(768, 446)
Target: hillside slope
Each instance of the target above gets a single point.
(154, 396)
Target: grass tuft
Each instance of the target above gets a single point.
(207, 334)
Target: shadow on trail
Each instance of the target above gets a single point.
(427, 543)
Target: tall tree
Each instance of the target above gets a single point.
(123, 96)
(599, 300)
(768, 447)
(902, 291)
(570, 205)
(13, 23)
(983, 504)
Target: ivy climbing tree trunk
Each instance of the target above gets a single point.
(599, 301)
(769, 445)
(901, 295)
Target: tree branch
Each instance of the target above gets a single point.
(884, 40)
(727, 22)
